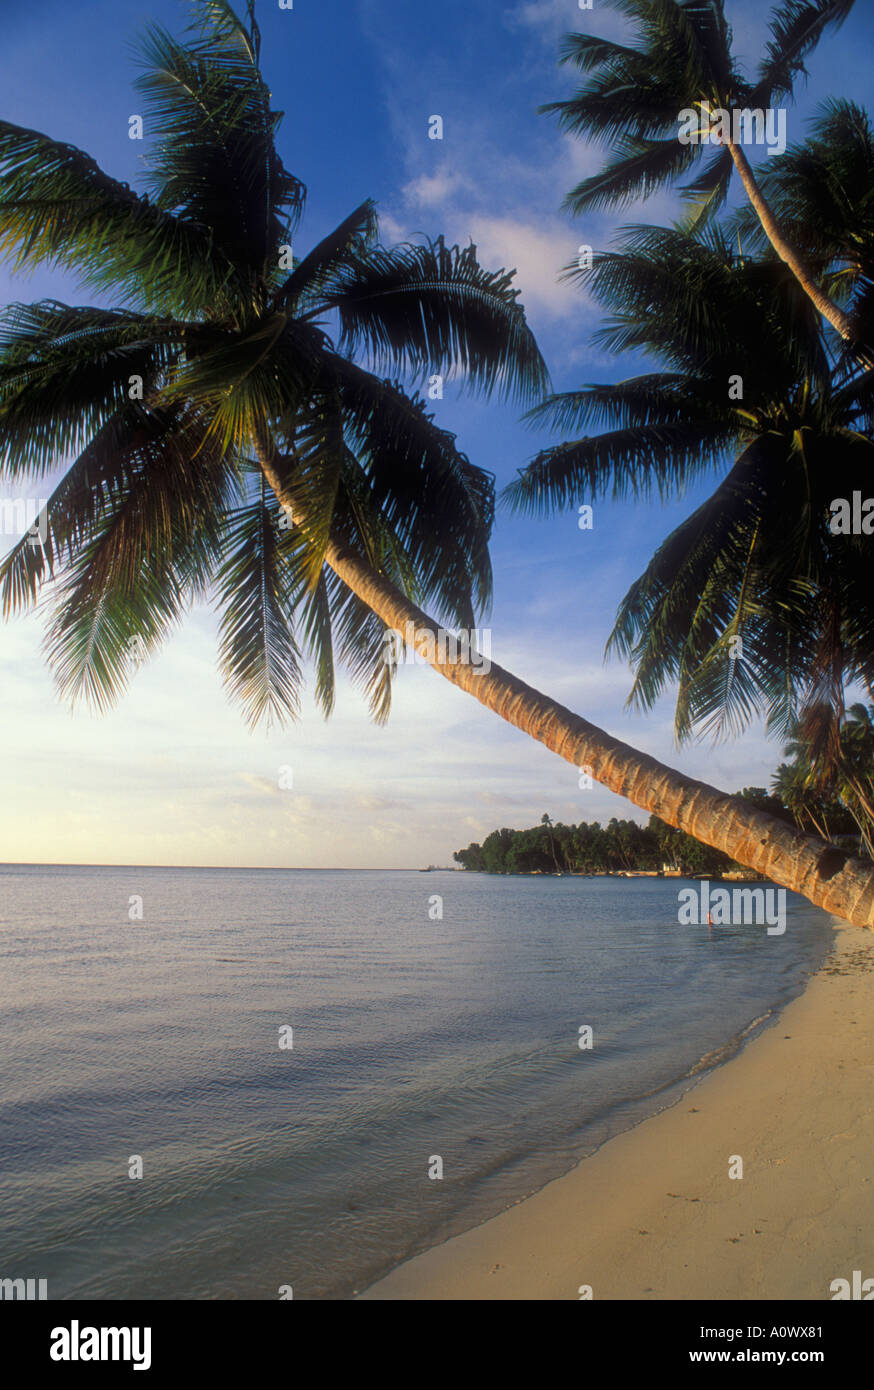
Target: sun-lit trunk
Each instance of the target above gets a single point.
(827, 307)
(828, 877)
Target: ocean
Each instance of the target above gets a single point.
(431, 1023)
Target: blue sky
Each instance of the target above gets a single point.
(172, 775)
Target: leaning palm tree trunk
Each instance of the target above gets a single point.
(829, 310)
(822, 873)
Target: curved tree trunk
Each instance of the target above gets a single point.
(826, 875)
(829, 310)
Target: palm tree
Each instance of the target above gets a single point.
(546, 820)
(791, 785)
(837, 768)
(854, 771)
(822, 193)
(216, 393)
(634, 96)
(753, 603)
(220, 354)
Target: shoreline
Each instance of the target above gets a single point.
(653, 1214)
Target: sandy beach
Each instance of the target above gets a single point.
(654, 1213)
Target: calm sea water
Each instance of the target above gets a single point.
(412, 1038)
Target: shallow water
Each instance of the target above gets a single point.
(413, 1039)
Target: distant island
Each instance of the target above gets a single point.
(624, 846)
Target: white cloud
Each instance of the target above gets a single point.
(433, 190)
(538, 254)
(538, 247)
(538, 14)
(551, 18)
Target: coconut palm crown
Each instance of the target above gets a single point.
(761, 600)
(225, 352)
(680, 59)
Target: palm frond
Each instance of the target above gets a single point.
(256, 592)
(640, 167)
(432, 308)
(213, 157)
(89, 492)
(64, 372)
(796, 28)
(151, 552)
(58, 208)
(438, 505)
(304, 287)
(637, 461)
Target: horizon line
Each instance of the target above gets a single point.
(267, 868)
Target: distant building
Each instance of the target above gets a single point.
(672, 871)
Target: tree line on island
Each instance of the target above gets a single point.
(620, 846)
(839, 809)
